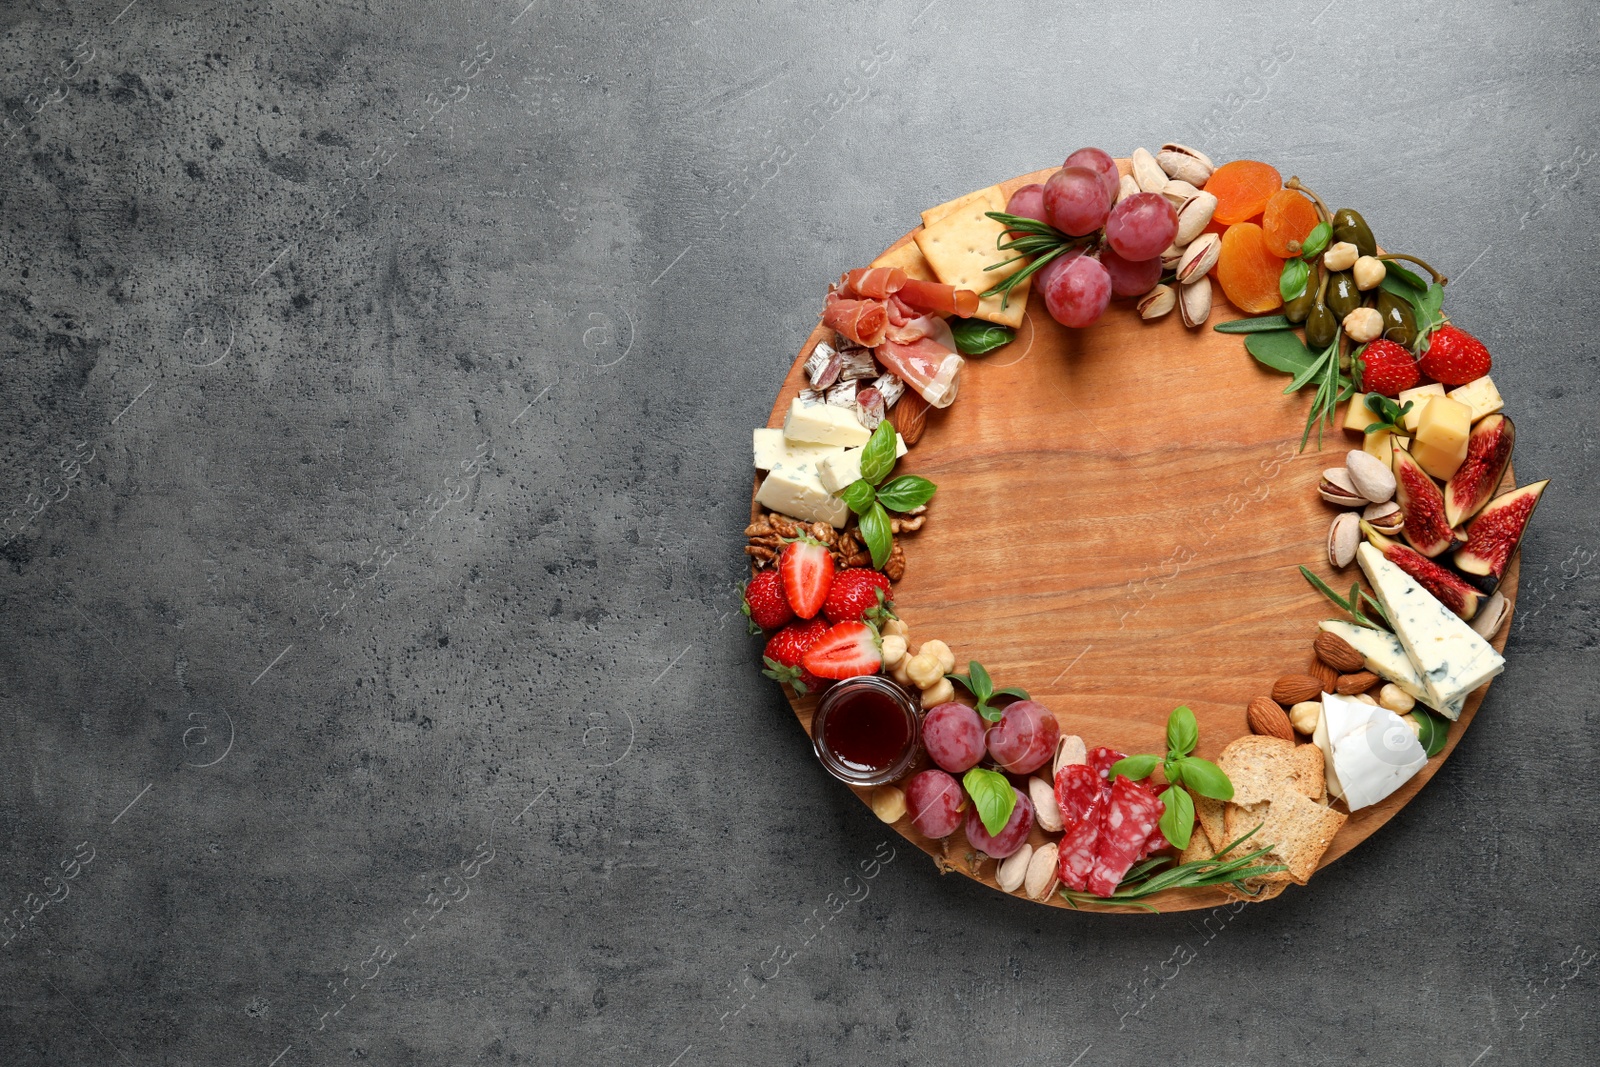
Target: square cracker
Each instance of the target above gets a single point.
(908, 257)
(934, 214)
(959, 245)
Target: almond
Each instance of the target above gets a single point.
(909, 417)
(1293, 688)
(1323, 674)
(1359, 682)
(1338, 653)
(1266, 717)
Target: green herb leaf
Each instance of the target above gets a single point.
(1282, 351)
(875, 532)
(1292, 282)
(1146, 879)
(974, 337)
(1259, 324)
(1182, 731)
(992, 795)
(1135, 767)
(982, 684)
(1435, 731)
(878, 455)
(906, 492)
(1315, 241)
(1404, 277)
(1390, 414)
(1013, 691)
(1206, 778)
(1177, 822)
(859, 495)
(1352, 606)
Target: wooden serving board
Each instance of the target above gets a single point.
(1120, 517)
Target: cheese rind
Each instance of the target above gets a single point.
(771, 449)
(840, 469)
(794, 490)
(1386, 657)
(1450, 657)
(824, 424)
(1368, 752)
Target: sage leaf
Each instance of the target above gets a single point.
(1281, 351)
(1401, 274)
(1258, 324)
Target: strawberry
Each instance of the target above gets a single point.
(848, 649)
(859, 593)
(807, 571)
(765, 602)
(1386, 368)
(787, 648)
(1455, 357)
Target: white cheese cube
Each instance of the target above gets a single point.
(824, 424)
(839, 470)
(1482, 397)
(794, 490)
(1367, 752)
(772, 448)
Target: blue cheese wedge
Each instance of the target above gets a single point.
(843, 467)
(772, 449)
(1386, 657)
(1451, 658)
(793, 489)
(824, 424)
(1368, 752)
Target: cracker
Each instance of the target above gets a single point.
(959, 245)
(1298, 829)
(908, 257)
(1211, 821)
(934, 214)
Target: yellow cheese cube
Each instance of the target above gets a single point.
(1481, 396)
(1358, 416)
(1445, 424)
(1419, 398)
(1381, 445)
(1442, 463)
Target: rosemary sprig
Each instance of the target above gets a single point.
(1039, 240)
(1358, 596)
(1333, 388)
(1146, 880)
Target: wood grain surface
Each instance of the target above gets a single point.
(1120, 517)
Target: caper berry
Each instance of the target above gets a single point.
(1348, 225)
(1343, 296)
(1297, 309)
(1399, 321)
(1322, 326)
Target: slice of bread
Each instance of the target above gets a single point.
(1257, 766)
(1211, 821)
(1297, 827)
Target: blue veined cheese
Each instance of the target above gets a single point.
(772, 448)
(1386, 657)
(842, 468)
(1451, 658)
(793, 489)
(824, 424)
(1367, 752)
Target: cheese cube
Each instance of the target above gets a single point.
(772, 448)
(1442, 463)
(842, 468)
(824, 424)
(1481, 396)
(1358, 416)
(796, 492)
(1381, 445)
(1419, 398)
(1445, 424)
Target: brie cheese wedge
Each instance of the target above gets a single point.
(1368, 752)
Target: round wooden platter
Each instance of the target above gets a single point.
(1120, 517)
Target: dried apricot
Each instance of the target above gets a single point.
(1248, 271)
(1289, 217)
(1242, 189)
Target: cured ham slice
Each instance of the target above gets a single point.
(1130, 816)
(937, 298)
(874, 283)
(862, 322)
(922, 353)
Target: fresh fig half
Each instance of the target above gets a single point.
(1474, 482)
(1423, 504)
(1447, 587)
(1493, 536)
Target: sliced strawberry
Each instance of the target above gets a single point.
(785, 651)
(807, 571)
(765, 602)
(857, 594)
(849, 649)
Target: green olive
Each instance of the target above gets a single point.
(1321, 327)
(1297, 309)
(1399, 321)
(1348, 225)
(1343, 296)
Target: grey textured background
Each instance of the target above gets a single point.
(287, 656)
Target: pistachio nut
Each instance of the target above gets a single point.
(1069, 750)
(1043, 872)
(1344, 537)
(1157, 302)
(1337, 488)
(1014, 868)
(1194, 302)
(1492, 616)
(1179, 193)
(1370, 475)
(1170, 257)
(1199, 258)
(1386, 518)
(1194, 216)
(1046, 812)
(1126, 187)
(1149, 175)
(1176, 149)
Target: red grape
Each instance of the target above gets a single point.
(1011, 837)
(1028, 202)
(1025, 737)
(934, 800)
(1076, 202)
(1129, 278)
(1102, 164)
(1141, 226)
(1076, 289)
(953, 735)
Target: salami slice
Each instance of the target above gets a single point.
(1132, 812)
(1101, 759)
(1077, 855)
(1077, 788)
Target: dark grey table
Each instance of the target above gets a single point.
(376, 386)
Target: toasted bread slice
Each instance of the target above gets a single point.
(1200, 848)
(1297, 827)
(1257, 765)
(1211, 821)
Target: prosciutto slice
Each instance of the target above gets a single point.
(862, 322)
(875, 283)
(1131, 815)
(937, 298)
(922, 353)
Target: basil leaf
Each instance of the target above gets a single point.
(1259, 324)
(1012, 691)
(1177, 822)
(982, 684)
(1435, 731)
(859, 495)
(1182, 731)
(974, 337)
(1316, 241)
(1135, 767)
(1292, 282)
(1281, 351)
(1206, 778)
(1396, 271)
(874, 524)
(992, 795)
(906, 492)
(878, 455)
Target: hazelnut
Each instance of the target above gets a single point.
(888, 803)
(1363, 324)
(940, 650)
(923, 670)
(1369, 272)
(894, 649)
(940, 692)
(898, 672)
(1395, 699)
(897, 627)
(1341, 255)
(1414, 723)
(1305, 716)
(1366, 699)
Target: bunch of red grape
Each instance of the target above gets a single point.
(1081, 200)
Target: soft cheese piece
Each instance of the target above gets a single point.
(1451, 658)
(1368, 752)
(772, 449)
(1386, 657)
(824, 424)
(842, 468)
(793, 489)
